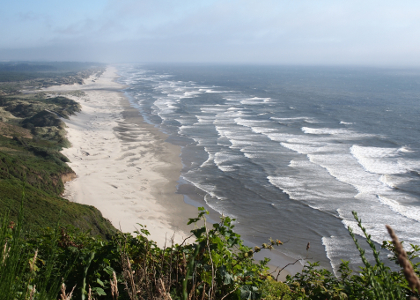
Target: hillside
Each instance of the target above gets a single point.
(31, 137)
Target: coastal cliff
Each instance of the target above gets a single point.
(32, 169)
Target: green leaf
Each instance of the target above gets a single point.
(199, 232)
(100, 282)
(99, 291)
(193, 220)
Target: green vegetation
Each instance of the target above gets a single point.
(31, 138)
(212, 264)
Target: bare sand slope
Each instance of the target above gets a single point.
(124, 166)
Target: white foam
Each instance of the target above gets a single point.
(255, 101)
(209, 190)
(294, 119)
(313, 191)
(411, 212)
(393, 181)
(249, 123)
(227, 162)
(210, 91)
(302, 148)
(332, 131)
(213, 109)
(405, 149)
(226, 168)
(210, 159)
(205, 119)
(165, 106)
(379, 160)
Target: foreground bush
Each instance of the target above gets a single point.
(66, 263)
(374, 280)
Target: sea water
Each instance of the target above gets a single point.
(290, 152)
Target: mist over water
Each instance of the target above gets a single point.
(290, 152)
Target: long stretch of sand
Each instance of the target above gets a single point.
(124, 166)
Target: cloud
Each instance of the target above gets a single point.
(277, 31)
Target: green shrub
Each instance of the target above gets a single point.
(274, 290)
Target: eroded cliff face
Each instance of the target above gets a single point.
(66, 177)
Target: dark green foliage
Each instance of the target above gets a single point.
(215, 265)
(42, 119)
(40, 169)
(41, 115)
(274, 290)
(63, 106)
(28, 106)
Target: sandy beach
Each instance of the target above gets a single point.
(124, 166)
(126, 169)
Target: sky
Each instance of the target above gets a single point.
(302, 32)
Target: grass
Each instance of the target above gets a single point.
(41, 173)
(213, 264)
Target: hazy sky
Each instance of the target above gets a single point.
(238, 31)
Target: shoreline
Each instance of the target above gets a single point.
(124, 166)
(127, 169)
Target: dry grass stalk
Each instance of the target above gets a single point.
(63, 294)
(32, 293)
(5, 252)
(114, 286)
(129, 279)
(32, 262)
(204, 292)
(192, 292)
(162, 290)
(90, 293)
(408, 270)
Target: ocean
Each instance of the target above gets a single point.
(291, 151)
